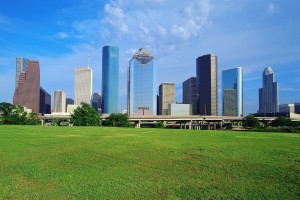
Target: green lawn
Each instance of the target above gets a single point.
(124, 163)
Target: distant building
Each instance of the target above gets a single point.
(110, 79)
(142, 80)
(268, 94)
(45, 102)
(297, 108)
(287, 108)
(27, 91)
(83, 85)
(166, 97)
(21, 67)
(71, 108)
(69, 101)
(59, 103)
(207, 84)
(180, 109)
(189, 93)
(96, 102)
(232, 83)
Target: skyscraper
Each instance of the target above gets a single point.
(207, 84)
(27, 92)
(268, 94)
(21, 67)
(166, 97)
(69, 101)
(59, 103)
(189, 94)
(83, 85)
(142, 88)
(110, 79)
(97, 102)
(232, 83)
(45, 102)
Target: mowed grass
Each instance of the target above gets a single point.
(123, 163)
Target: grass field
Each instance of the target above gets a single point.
(124, 163)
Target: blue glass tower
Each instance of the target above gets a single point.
(110, 79)
(232, 82)
(142, 80)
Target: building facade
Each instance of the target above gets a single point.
(189, 94)
(59, 103)
(142, 84)
(21, 67)
(27, 92)
(166, 97)
(297, 108)
(110, 79)
(232, 92)
(69, 101)
(45, 102)
(207, 84)
(97, 102)
(180, 109)
(268, 94)
(83, 85)
(287, 108)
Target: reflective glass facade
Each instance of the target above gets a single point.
(268, 94)
(142, 80)
(232, 83)
(110, 79)
(207, 84)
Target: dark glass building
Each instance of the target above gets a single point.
(97, 102)
(110, 79)
(207, 84)
(189, 94)
(45, 102)
(232, 83)
(268, 94)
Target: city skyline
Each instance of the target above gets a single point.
(254, 35)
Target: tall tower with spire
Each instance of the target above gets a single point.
(268, 94)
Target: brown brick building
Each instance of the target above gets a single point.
(27, 92)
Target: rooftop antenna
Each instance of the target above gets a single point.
(88, 61)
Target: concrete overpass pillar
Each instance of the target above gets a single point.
(215, 125)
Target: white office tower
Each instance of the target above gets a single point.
(83, 85)
(59, 104)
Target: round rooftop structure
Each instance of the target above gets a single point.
(268, 71)
(143, 56)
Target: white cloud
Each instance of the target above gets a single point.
(271, 9)
(115, 17)
(63, 35)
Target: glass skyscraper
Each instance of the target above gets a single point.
(189, 93)
(110, 79)
(268, 94)
(207, 84)
(142, 84)
(232, 83)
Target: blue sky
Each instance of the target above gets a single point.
(242, 33)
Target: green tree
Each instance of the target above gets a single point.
(117, 120)
(250, 122)
(33, 119)
(85, 115)
(11, 114)
(282, 121)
